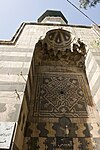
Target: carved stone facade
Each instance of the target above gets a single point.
(62, 114)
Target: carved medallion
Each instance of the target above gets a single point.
(58, 39)
(59, 36)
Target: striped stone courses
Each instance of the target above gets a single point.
(14, 69)
(93, 75)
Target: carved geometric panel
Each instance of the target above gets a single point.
(59, 95)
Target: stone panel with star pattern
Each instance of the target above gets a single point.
(61, 95)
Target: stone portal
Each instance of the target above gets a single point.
(62, 114)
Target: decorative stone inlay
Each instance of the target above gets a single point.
(61, 94)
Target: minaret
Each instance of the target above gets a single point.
(52, 16)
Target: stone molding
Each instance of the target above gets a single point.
(20, 30)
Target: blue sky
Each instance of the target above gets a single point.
(14, 12)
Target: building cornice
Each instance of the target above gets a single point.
(20, 29)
